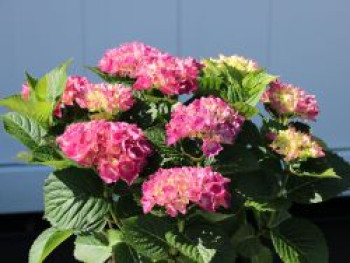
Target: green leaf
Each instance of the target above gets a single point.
(264, 256)
(214, 217)
(146, 234)
(24, 129)
(50, 87)
(169, 154)
(39, 111)
(74, 200)
(45, 243)
(254, 85)
(318, 189)
(123, 253)
(109, 78)
(203, 244)
(235, 159)
(92, 248)
(299, 241)
(246, 241)
(245, 109)
(31, 81)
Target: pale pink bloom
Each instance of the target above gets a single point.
(293, 144)
(288, 100)
(118, 150)
(210, 119)
(176, 188)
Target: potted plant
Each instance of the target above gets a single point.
(143, 174)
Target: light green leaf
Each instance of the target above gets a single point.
(51, 86)
(24, 129)
(45, 243)
(298, 241)
(74, 200)
(245, 109)
(39, 111)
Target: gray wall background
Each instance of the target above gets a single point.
(305, 42)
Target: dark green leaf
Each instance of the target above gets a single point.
(298, 241)
(74, 200)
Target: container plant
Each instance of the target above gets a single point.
(171, 159)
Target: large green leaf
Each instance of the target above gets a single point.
(123, 253)
(299, 241)
(264, 256)
(24, 129)
(39, 111)
(313, 189)
(93, 248)
(146, 234)
(246, 241)
(203, 244)
(74, 200)
(46, 242)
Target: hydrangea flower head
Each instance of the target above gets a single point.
(74, 86)
(210, 119)
(241, 63)
(176, 188)
(288, 100)
(151, 68)
(125, 60)
(108, 98)
(171, 75)
(117, 150)
(293, 144)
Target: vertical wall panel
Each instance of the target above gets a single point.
(229, 27)
(112, 23)
(310, 46)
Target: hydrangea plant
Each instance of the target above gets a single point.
(143, 174)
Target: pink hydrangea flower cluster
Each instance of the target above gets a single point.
(117, 150)
(293, 144)
(286, 99)
(152, 68)
(176, 188)
(107, 98)
(210, 119)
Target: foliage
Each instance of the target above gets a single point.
(244, 218)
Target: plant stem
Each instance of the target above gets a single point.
(181, 225)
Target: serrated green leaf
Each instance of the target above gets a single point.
(31, 81)
(146, 234)
(109, 78)
(38, 111)
(51, 86)
(74, 200)
(203, 244)
(24, 129)
(315, 189)
(45, 243)
(246, 241)
(299, 241)
(245, 109)
(93, 248)
(169, 154)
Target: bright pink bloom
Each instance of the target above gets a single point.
(171, 75)
(288, 100)
(25, 91)
(74, 86)
(210, 119)
(118, 150)
(152, 68)
(176, 188)
(293, 144)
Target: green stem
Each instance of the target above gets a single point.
(181, 225)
